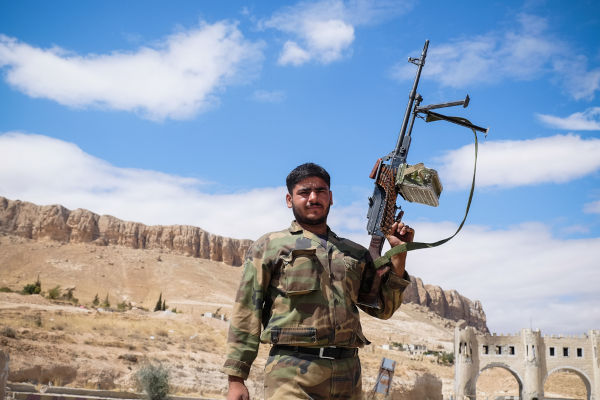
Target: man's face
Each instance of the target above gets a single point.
(310, 201)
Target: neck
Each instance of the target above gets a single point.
(320, 229)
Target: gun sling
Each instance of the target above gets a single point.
(386, 258)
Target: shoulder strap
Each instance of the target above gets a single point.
(386, 258)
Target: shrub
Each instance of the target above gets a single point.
(106, 303)
(447, 358)
(30, 288)
(162, 332)
(68, 295)
(33, 288)
(154, 381)
(5, 289)
(8, 332)
(96, 301)
(54, 293)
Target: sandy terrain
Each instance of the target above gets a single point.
(61, 343)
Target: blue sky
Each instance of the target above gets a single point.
(194, 112)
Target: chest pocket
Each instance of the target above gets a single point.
(300, 272)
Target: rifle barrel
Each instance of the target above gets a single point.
(411, 97)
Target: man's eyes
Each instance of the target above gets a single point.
(307, 192)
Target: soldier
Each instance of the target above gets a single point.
(300, 292)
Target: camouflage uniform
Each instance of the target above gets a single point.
(304, 291)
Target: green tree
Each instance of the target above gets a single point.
(164, 305)
(106, 303)
(158, 305)
(96, 301)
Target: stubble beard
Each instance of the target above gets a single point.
(310, 221)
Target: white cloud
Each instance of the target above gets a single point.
(521, 272)
(293, 54)
(329, 38)
(44, 170)
(324, 31)
(592, 208)
(588, 120)
(511, 163)
(269, 96)
(579, 82)
(525, 53)
(175, 78)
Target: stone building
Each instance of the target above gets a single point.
(530, 357)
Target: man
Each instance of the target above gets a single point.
(300, 292)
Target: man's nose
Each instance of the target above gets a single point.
(312, 197)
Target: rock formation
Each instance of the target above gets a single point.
(81, 226)
(446, 303)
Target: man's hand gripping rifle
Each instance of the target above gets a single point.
(416, 183)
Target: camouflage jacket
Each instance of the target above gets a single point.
(303, 291)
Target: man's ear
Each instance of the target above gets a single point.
(288, 200)
(330, 198)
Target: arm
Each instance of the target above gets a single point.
(245, 325)
(392, 279)
(399, 234)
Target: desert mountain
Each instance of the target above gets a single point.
(56, 223)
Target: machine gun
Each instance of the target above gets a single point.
(416, 183)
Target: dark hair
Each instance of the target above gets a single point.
(304, 171)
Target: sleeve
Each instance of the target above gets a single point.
(245, 325)
(386, 287)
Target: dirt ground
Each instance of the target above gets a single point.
(61, 343)
(64, 345)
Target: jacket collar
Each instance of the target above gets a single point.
(295, 228)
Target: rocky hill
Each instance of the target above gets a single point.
(57, 223)
(448, 304)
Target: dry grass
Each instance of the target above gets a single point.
(98, 342)
(121, 328)
(114, 329)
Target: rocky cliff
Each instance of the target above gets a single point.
(446, 303)
(81, 226)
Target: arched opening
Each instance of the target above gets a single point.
(567, 383)
(497, 380)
